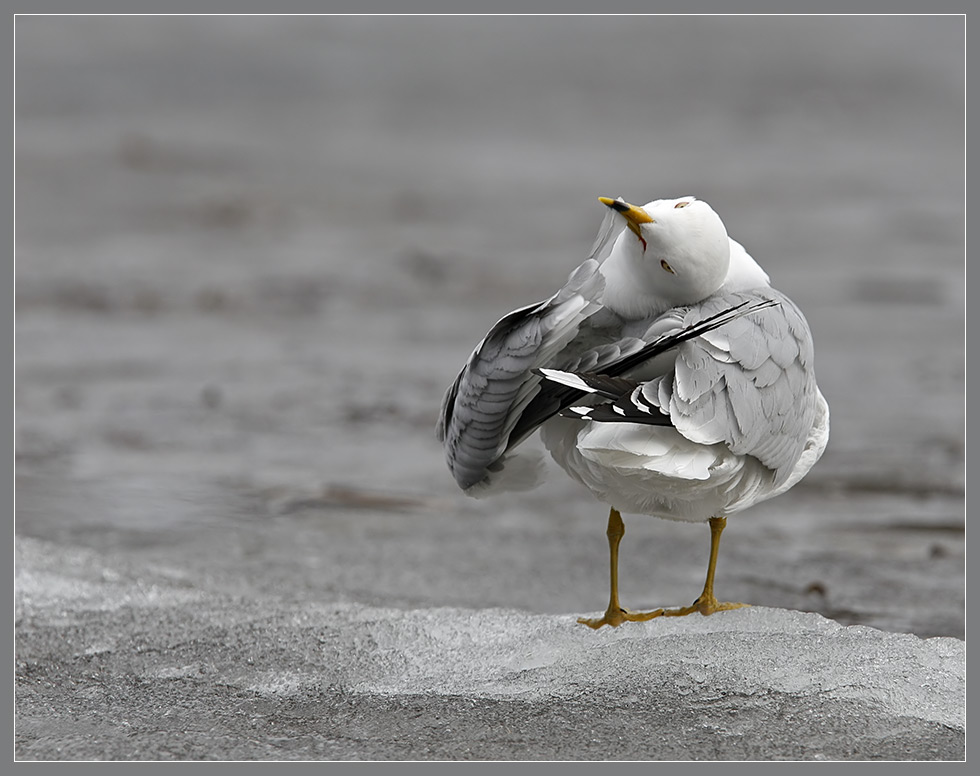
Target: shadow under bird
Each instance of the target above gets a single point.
(666, 375)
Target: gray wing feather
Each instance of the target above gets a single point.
(483, 407)
(749, 384)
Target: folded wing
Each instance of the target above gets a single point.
(748, 383)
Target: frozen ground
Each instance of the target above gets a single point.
(251, 255)
(164, 665)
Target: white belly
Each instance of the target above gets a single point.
(654, 470)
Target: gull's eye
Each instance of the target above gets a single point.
(681, 204)
(667, 267)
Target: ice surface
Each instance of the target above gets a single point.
(148, 639)
(506, 654)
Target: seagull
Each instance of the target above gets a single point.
(666, 375)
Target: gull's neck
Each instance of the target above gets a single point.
(744, 274)
(624, 296)
(624, 292)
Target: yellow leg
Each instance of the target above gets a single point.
(707, 603)
(615, 614)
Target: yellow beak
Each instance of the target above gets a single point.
(634, 215)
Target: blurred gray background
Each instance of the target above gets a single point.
(253, 252)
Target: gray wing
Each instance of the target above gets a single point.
(497, 400)
(484, 406)
(749, 383)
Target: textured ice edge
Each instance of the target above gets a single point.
(508, 655)
(745, 656)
